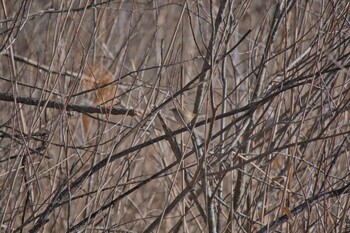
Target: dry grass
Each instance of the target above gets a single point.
(88, 141)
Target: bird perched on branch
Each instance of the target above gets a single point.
(101, 91)
(182, 116)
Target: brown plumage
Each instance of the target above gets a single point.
(96, 78)
(101, 92)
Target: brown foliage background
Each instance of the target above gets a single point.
(88, 141)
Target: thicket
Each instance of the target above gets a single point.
(88, 142)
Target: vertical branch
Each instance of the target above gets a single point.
(222, 140)
(209, 56)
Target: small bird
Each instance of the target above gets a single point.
(182, 116)
(99, 82)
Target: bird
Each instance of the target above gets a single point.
(182, 116)
(99, 82)
(101, 91)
